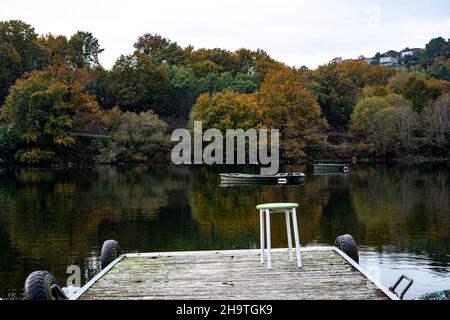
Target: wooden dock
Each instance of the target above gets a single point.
(328, 273)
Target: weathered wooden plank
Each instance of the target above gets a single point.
(233, 275)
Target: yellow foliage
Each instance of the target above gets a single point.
(290, 107)
(228, 110)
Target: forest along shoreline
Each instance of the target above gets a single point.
(60, 107)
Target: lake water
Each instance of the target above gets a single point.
(399, 216)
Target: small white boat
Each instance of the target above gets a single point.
(281, 178)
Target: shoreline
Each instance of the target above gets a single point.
(309, 162)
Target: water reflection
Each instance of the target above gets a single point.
(399, 215)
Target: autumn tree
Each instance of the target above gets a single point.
(46, 108)
(290, 107)
(22, 51)
(80, 51)
(340, 86)
(374, 91)
(363, 74)
(228, 110)
(397, 82)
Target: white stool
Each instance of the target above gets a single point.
(287, 208)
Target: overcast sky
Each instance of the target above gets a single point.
(296, 32)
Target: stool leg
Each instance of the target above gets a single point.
(297, 241)
(269, 259)
(261, 225)
(289, 236)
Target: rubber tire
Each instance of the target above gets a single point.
(110, 252)
(347, 244)
(38, 286)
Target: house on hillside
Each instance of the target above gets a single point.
(388, 61)
(390, 58)
(410, 52)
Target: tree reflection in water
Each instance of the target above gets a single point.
(52, 218)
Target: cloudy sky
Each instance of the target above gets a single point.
(296, 32)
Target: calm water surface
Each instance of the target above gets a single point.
(49, 219)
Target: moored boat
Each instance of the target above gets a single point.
(331, 167)
(281, 178)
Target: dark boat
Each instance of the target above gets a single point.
(331, 167)
(281, 178)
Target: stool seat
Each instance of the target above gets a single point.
(277, 206)
(288, 209)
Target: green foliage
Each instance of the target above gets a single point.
(19, 53)
(241, 83)
(22, 51)
(8, 144)
(384, 126)
(337, 95)
(245, 83)
(184, 90)
(419, 93)
(83, 50)
(139, 84)
(22, 38)
(216, 82)
(44, 108)
(65, 87)
(9, 68)
(340, 85)
(139, 137)
(437, 47)
(99, 85)
(441, 69)
(162, 50)
(365, 111)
